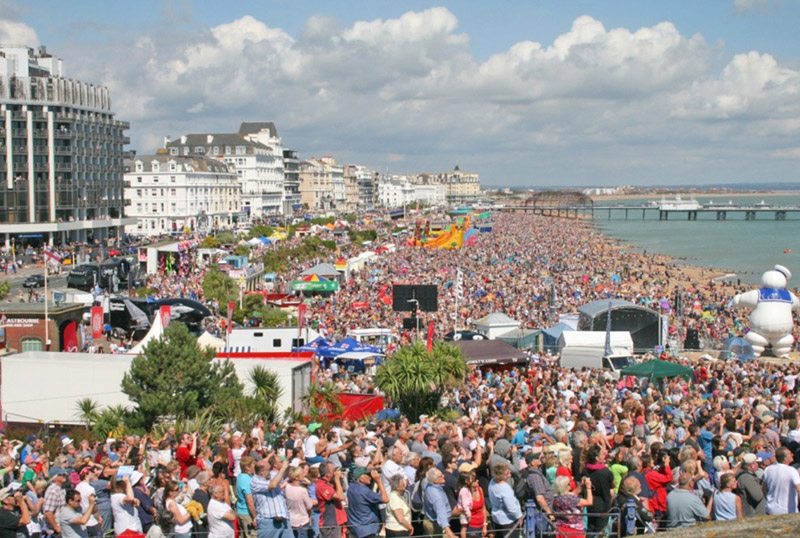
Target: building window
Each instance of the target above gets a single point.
(173, 151)
(31, 344)
(172, 179)
(276, 342)
(227, 150)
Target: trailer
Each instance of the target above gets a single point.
(619, 339)
(65, 378)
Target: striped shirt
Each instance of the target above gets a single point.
(270, 503)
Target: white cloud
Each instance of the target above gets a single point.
(596, 103)
(17, 33)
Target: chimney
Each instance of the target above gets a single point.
(167, 140)
(209, 139)
(184, 138)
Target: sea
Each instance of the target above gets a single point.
(746, 248)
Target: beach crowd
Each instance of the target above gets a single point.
(571, 453)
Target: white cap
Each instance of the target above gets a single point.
(784, 271)
(135, 477)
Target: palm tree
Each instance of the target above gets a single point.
(321, 399)
(263, 397)
(414, 379)
(87, 410)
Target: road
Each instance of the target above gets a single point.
(16, 280)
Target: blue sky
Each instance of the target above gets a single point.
(538, 93)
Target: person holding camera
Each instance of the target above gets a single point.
(71, 520)
(272, 514)
(14, 514)
(658, 477)
(364, 503)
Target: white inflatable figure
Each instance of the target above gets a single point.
(771, 319)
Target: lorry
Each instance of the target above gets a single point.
(84, 277)
(587, 349)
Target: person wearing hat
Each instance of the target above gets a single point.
(754, 502)
(54, 500)
(73, 519)
(364, 503)
(11, 522)
(89, 474)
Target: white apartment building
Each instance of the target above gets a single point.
(322, 185)
(286, 163)
(258, 167)
(399, 191)
(173, 193)
(61, 153)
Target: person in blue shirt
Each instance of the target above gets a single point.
(506, 511)
(245, 506)
(436, 507)
(363, 503)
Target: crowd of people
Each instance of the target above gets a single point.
(574, 452)
(571, 452)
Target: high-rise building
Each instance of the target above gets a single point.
(61, 153)
(287, 163)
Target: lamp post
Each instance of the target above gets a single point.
(416, 313)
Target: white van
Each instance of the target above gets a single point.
(578, 357)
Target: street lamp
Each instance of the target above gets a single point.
(416, 313)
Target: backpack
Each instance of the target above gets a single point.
(522, 490)
(417, 501)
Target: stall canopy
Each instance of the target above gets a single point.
(348, 345)
(657, 369)
(737, 348)
(315, 345)
(486, 352)
(314, 283)
(551, 335)
(520, 338)
(321, 269)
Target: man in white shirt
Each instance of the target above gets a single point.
(783, 484)
(392, 466)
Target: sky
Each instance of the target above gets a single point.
(541, 94)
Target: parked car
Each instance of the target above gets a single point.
(33, 281)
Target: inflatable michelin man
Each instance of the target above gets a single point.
(771, 319)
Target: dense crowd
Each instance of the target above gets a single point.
(576, 450)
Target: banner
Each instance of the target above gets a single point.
(166, 315)
(231, 306)
(301, 318)
(71, 338)
(97, 321)
(430, 337)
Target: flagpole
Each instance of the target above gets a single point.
(46, 312)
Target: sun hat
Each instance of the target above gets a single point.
(751, 458)
(466, 467)
(5, 493)
(358, 472)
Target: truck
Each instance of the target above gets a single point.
(84, 277)
(578, 357)
(587, 349)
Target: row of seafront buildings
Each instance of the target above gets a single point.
(65, 174)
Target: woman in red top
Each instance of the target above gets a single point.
(565, 467)
(477, 526)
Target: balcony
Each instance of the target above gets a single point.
(20, 132)
(64, 134)
(63, 150)
(40, 133)
(63, 167)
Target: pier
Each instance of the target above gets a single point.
(750, 213)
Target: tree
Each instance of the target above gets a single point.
(220, 287)
(320, 399)
(5, 289)
(87, 410)
(263, 396)
(209, 241)
(174, 378)
(415, 379)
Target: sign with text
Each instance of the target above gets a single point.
(97, 321)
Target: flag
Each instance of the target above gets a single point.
(97, 321)
(231, 306)
(301, 318)
(430, 337)
(52, 256)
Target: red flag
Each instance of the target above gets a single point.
(97, 321)
(301, 317)
(166, 314)
(430, 337)
(231, 306)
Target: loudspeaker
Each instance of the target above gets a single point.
(410, 324)
(692, 340)
(405, 295)
(401, 296)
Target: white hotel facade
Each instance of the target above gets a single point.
(168, 193)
